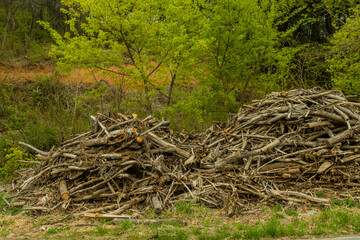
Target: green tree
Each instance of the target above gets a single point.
(241, 42)
(139, 38)
(344, 59)
(305, 28)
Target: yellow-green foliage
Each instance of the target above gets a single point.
(13, 159)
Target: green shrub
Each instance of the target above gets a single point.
(12, 159)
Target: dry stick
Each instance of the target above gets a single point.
(245, 141)
(344, 116)
(349, 112)
(101, 125)
(351, 103)
(3, 198)
(35, 149)
(189, 161)
(84, 184)
(99, 209)
(122, 123)
(248, 163)
(317, 124)
(69, 155)
(96, 142)
(191, 194)
(29, 180)
(125, 145)
(328, 131)
(257, 193)
(96, 194)
(168, 195)
(106, 216)
(72, 191)
(76, 138)
(112, 156)
(252, 136)
(159, 165)
(318, 134)
(319, 94)
(330, 116)
(271, 120)
(109, 184)
(240, 155)
(151, 221)
(163, 143)
(216, 142)
(156, 126)
(128, 205)
(338, 138)
(298, 194)
(162, 150)
(350, 158)
(292, 154)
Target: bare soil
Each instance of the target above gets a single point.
(23, 71)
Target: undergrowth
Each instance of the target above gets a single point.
(45, 112)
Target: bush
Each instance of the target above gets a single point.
(12, 159)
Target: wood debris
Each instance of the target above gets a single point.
(277, 148)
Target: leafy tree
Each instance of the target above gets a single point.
(139, 38)
(240, 42)
(305, 28)
(19, 31)
(344, 59)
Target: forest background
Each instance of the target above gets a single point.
(192, 62)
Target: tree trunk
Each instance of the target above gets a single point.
(173, 76)
(6, 29)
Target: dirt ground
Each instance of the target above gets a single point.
(60, 225)
(23, 71)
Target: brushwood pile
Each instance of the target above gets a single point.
(285, 147)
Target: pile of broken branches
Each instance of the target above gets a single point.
(283, 147)
(299, 140)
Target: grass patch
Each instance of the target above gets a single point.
(291, 213)
(125, 226)
(336, 220)
(272, 228)
(9, 210)
(101, 230)
(320, 194)
(272, 225)
(171, 234)
(52, 231)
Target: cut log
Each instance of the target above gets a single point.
(63, 190)
(157, 205)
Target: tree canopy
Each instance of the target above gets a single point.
(222, 52)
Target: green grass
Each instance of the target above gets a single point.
(320, 194)
(125, 226)
(9, 210)
(335, 220)
(272, 228)
(101, 230)
(203, 224)
(52, 231)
